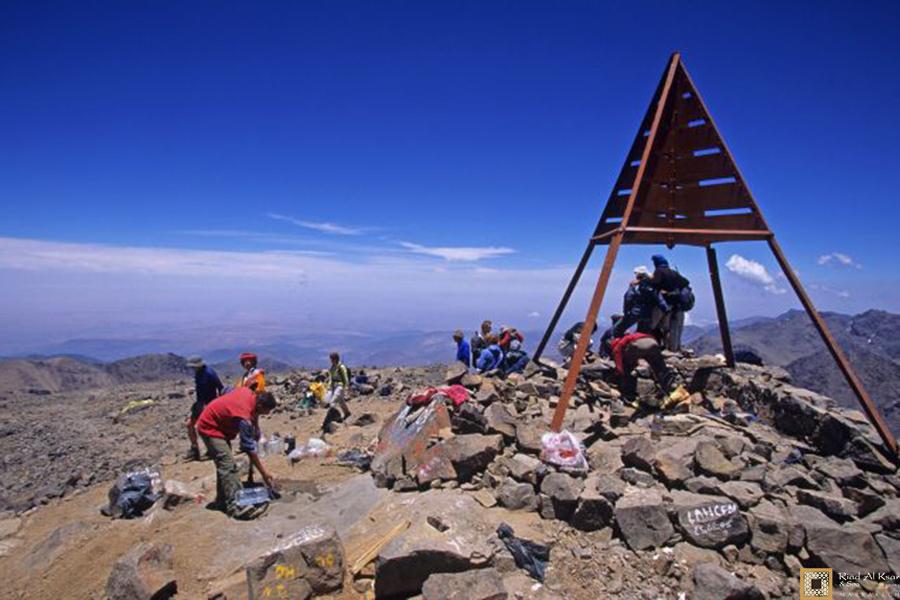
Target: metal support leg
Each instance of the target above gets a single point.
(853, 381)
(720, 306)
(585, 338)
(565, 300)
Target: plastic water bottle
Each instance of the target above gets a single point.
(252, 496)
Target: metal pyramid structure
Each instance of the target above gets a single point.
(680, 185)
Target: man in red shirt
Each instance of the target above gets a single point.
(232, 415)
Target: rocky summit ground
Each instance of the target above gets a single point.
(727, 496)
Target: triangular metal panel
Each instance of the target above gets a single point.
(691, 191)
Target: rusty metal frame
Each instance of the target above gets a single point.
(625, 233)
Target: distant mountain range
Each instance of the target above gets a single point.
(870, 339)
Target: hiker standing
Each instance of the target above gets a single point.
(337, 383)
(631, 348)
(463, 351)
(479, 340)
(236, 414)
(491, 357)
(641, 302)
(676, 291)
(208, 387)
(253, 377)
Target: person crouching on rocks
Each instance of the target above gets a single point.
(627, 351)
(234, 415)
(208, 387)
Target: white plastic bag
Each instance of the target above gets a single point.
(316, 447)
(563, 450)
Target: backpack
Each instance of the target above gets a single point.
(686, 298)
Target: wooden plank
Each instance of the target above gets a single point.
(692, 169)
(688, 139)
(370, 554)
(693, 199)
(743, 221)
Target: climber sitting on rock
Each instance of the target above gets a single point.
(627, 351)
(491, 357)
(234, 415)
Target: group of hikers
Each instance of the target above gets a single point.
(654, 303)
(221, 414)
(488, 351)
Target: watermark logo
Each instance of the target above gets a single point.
(815, 584)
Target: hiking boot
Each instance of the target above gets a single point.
(678, 396)
(192, 454)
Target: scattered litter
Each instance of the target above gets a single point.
(355, 457)
(456, 393)
(136, 405)
(253, 496)
(563, 450)
(314, 448)
(133, 493)
(528, 555)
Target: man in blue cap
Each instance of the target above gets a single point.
(676, 291)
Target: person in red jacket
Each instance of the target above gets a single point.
(628, 350)
(234, 415)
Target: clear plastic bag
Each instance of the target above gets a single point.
(564, 451)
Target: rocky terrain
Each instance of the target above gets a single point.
(870, 339)
(726, 496)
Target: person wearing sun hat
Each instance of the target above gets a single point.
(208, 387)
(638, 305)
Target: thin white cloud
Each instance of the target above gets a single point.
(323, 227)
(534, 314)
(838, 259)
(458, 253)
(844, 294)
(754, 272)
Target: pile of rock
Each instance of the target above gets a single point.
(766, 476)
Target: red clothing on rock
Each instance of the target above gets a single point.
(618, 345)
(221, 418)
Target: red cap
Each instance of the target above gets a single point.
(247, 355)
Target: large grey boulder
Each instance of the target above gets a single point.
(836, 507)
(638, 452)
(471, 453)
(144, 573)
(847, 547)
(709, 460)
(710, 521)
(770, 527)
(712, 582)
(562, 493)
(500, 421)
(594, 510)
(517, 496)
(311, 561)
(478, 584)
(642, 519)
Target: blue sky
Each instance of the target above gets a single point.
(415, 165)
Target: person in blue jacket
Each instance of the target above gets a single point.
(208, 387)
(638, 306)
(491, 357)
(463, 353)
